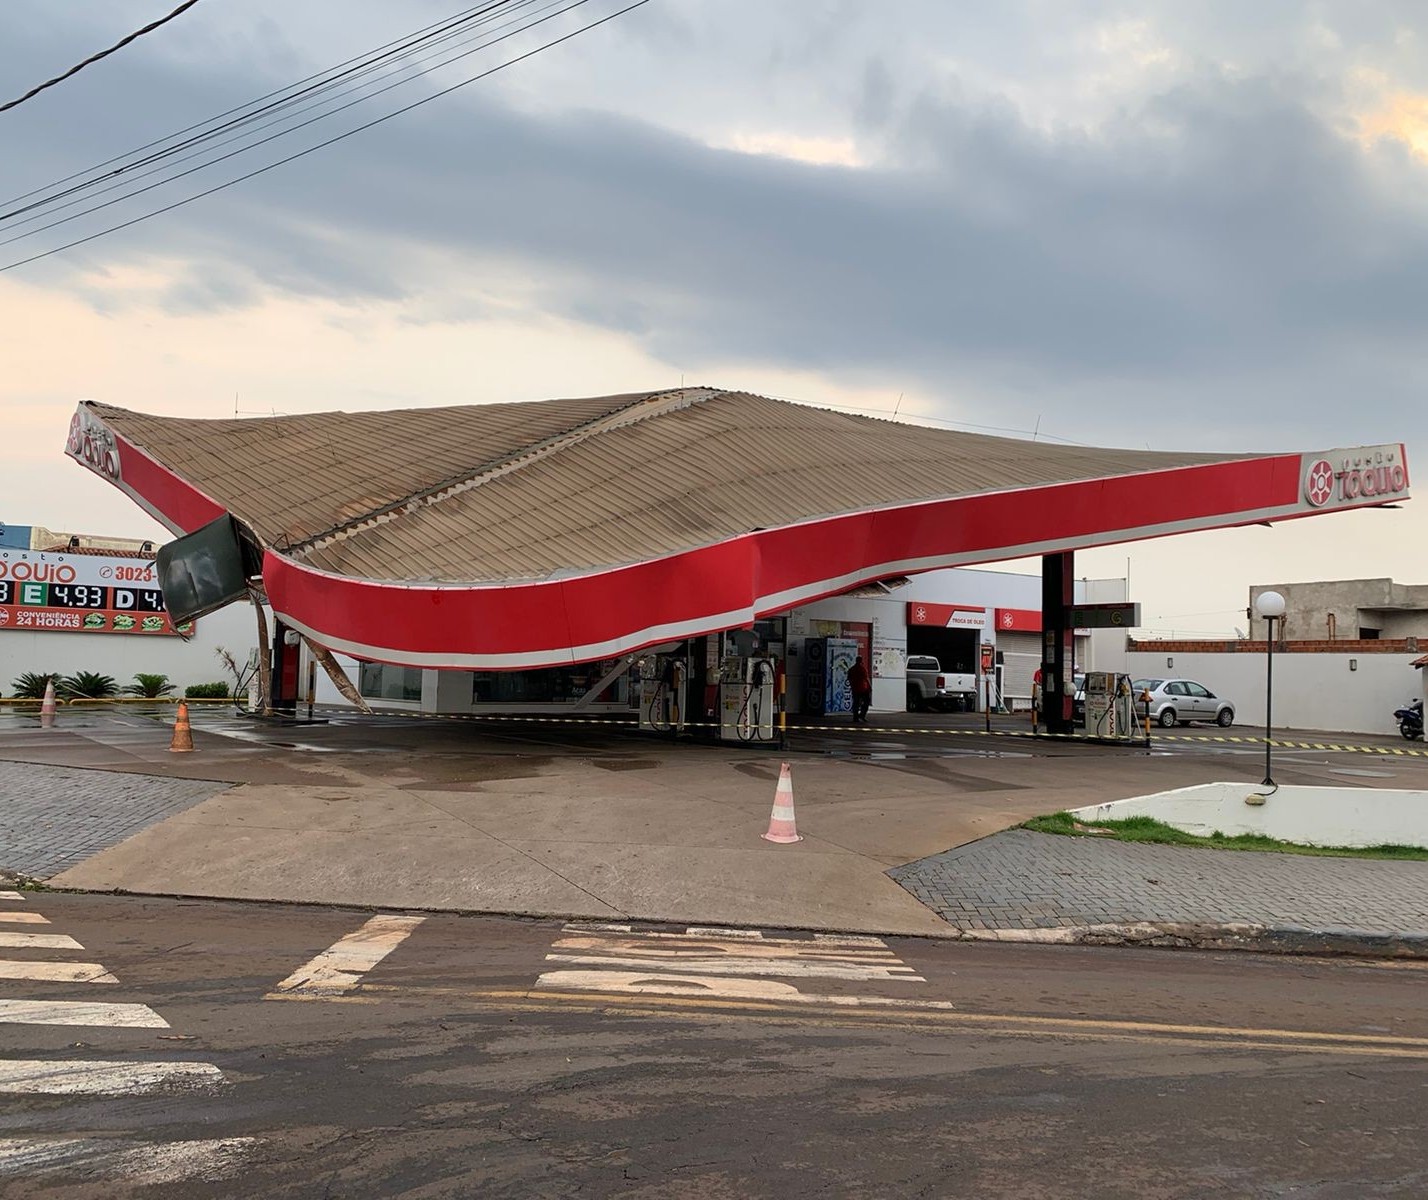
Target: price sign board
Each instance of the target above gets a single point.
(82, 593)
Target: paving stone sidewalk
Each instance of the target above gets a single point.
(54, 817)
(1024, 880)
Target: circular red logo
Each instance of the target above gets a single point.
(1319, 483)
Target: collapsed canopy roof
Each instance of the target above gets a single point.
(511, 535)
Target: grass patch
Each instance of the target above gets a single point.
(1148, 829)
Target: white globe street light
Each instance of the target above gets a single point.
(1270, 606)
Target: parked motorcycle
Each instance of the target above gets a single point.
(1410, 720)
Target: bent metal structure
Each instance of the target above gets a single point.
(531, 534)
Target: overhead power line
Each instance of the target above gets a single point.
(244, 114)
(94, 58)
(341, 136)
(83, 192)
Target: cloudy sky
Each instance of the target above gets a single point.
(1166, 225)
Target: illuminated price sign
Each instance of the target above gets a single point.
(81, 594)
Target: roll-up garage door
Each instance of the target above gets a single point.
(1021, 656)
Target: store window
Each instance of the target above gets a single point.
(382, 681)
(549, 685)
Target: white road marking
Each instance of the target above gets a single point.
(341, 967)
(126, 1159)
(823, 940)
(41, 1077)
(11, 896)
(55, 972)
(23, 918)
(715, 931)
(706, 948)
(748, 966)
(637, 983)
(37, 941)
(79, 1012)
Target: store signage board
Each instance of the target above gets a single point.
(53, 592)
(1105, 616)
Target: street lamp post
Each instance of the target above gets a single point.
(1270, 606)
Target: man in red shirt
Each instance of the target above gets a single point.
(861, 684)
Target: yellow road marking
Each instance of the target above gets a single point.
(996, 1024)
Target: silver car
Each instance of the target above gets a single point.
(1180, 701)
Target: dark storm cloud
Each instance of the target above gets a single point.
(1217, 241)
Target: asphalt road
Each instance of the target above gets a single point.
(231, 1050)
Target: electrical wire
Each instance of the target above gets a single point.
(94, 58)
(474, 18)
(338, 137)
(335, 71)
(171, 178)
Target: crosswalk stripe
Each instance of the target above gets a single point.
(37, 941)
(79, 1012)
(126, 1159)
(748, 966)
(639, 983)
(706, 948)
(34, 1077)
(55, 972)
(341, 966)
(696, 933)
(11, 896)
(23, 918)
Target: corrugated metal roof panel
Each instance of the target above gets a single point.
(595, 483)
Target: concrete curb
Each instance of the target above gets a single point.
(1261, 939)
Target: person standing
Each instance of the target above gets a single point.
(861, 684)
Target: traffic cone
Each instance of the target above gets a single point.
(183, 732)
(781, 826)
(47, 706)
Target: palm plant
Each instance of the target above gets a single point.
(151, 687)
(31, 685)
(88, 685)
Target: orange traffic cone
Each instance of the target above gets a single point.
(47, 706)
(183, 732)
(781, 826)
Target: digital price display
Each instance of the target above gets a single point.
(45, 590)
(77, 595)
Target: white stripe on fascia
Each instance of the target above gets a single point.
(660, 984)
(53, 972)
(770, 603)
(341, 966)
(79, 1012)
(748, 966)
(124, 1159)
(37, 941)
(23, 918)
(46, 1077)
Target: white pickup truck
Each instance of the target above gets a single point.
(929, 686)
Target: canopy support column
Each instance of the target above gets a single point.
(1058, 645)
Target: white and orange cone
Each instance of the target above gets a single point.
(182, 741)
(781, 826)
(47, 706)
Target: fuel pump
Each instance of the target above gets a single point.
(1110, 706)
(746, 698)
(662, 693)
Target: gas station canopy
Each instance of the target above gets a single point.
(531, 534)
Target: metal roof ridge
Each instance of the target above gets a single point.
(653, 404)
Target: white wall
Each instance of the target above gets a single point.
(1311, 691)
(123, 654)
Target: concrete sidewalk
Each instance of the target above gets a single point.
(431, 815)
